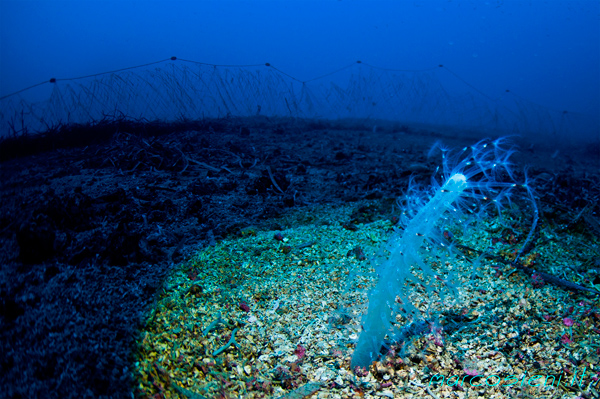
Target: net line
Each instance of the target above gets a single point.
(174, 89)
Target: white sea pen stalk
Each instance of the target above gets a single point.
(377, 322)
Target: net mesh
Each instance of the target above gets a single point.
(175, 90)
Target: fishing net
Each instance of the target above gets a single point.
(179, 90)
